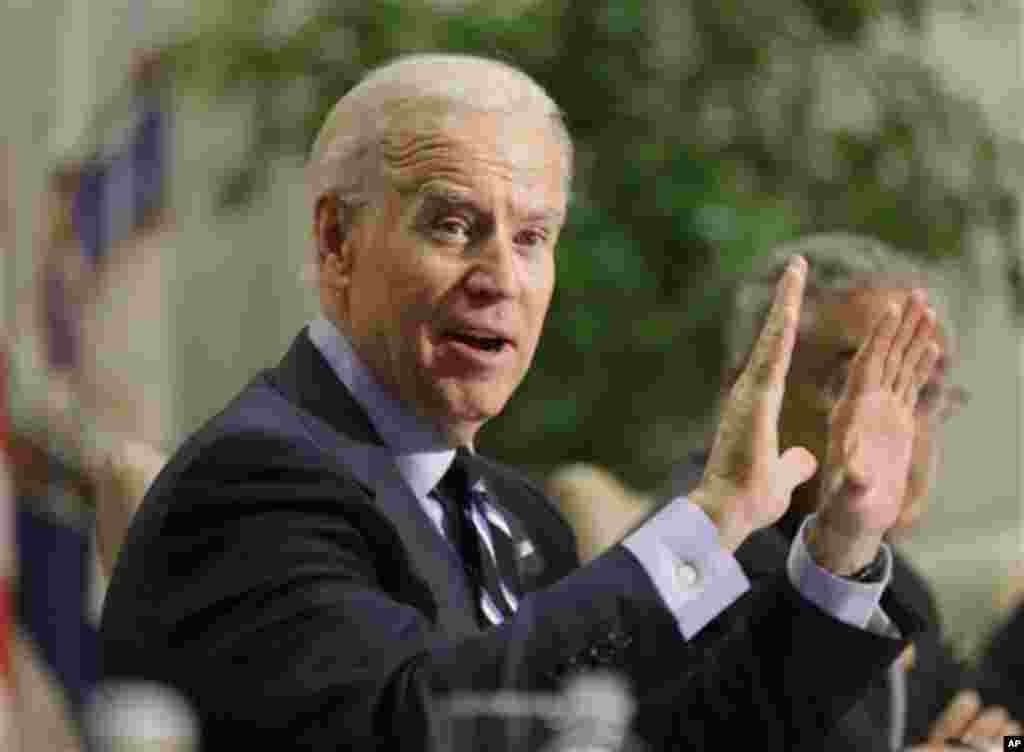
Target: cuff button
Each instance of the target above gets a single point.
(687, 575)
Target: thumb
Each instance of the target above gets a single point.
(796, 466)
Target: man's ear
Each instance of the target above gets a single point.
(334, 247)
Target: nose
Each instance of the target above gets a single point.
(495, 272)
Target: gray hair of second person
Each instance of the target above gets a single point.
(837, 262)
(369, 128)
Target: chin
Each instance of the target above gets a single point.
(476, 411)
(476, 399)
(468, 410)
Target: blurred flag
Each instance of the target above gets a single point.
(54, 529)
(61, 274)
(7, 558)
(101, 202)
(122, 185)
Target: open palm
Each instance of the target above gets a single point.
(871, 428)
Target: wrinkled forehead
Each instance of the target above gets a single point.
(428, 144)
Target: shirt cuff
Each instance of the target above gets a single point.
(695, 577)
(855, 603)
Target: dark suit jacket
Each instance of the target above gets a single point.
(282, 576)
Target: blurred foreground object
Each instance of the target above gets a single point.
(138, 717)
(600, 508)
(592, 713)
(597, 711)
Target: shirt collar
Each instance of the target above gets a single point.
(421, 453)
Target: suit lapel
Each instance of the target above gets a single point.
(342, 428)
(427, 552)
(307, 380)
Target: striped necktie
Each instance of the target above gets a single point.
(475, 526)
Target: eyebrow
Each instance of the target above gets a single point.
(435, 193)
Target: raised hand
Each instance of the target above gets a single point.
(871, 436)
(747, 484)
(966, 718)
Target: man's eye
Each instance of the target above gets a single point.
(531, 238)
(453, 228)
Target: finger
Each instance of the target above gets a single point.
(796, 466)
(915, 352)
(866, 366)
(922, 374)
(956, 717)
(913, 310)
(989, 723)
(769, 362)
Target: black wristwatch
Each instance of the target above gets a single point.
(872, 572)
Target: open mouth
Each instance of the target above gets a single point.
(480, 342)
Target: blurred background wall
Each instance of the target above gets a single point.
(187, 311)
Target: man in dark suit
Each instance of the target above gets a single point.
(928, 696)
(328, 564)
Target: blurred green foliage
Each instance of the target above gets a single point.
(705, 133)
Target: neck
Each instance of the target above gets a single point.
(460, 435)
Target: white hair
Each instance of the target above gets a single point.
(837, 262)
(359, 135)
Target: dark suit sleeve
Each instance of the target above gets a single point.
(271, 599)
